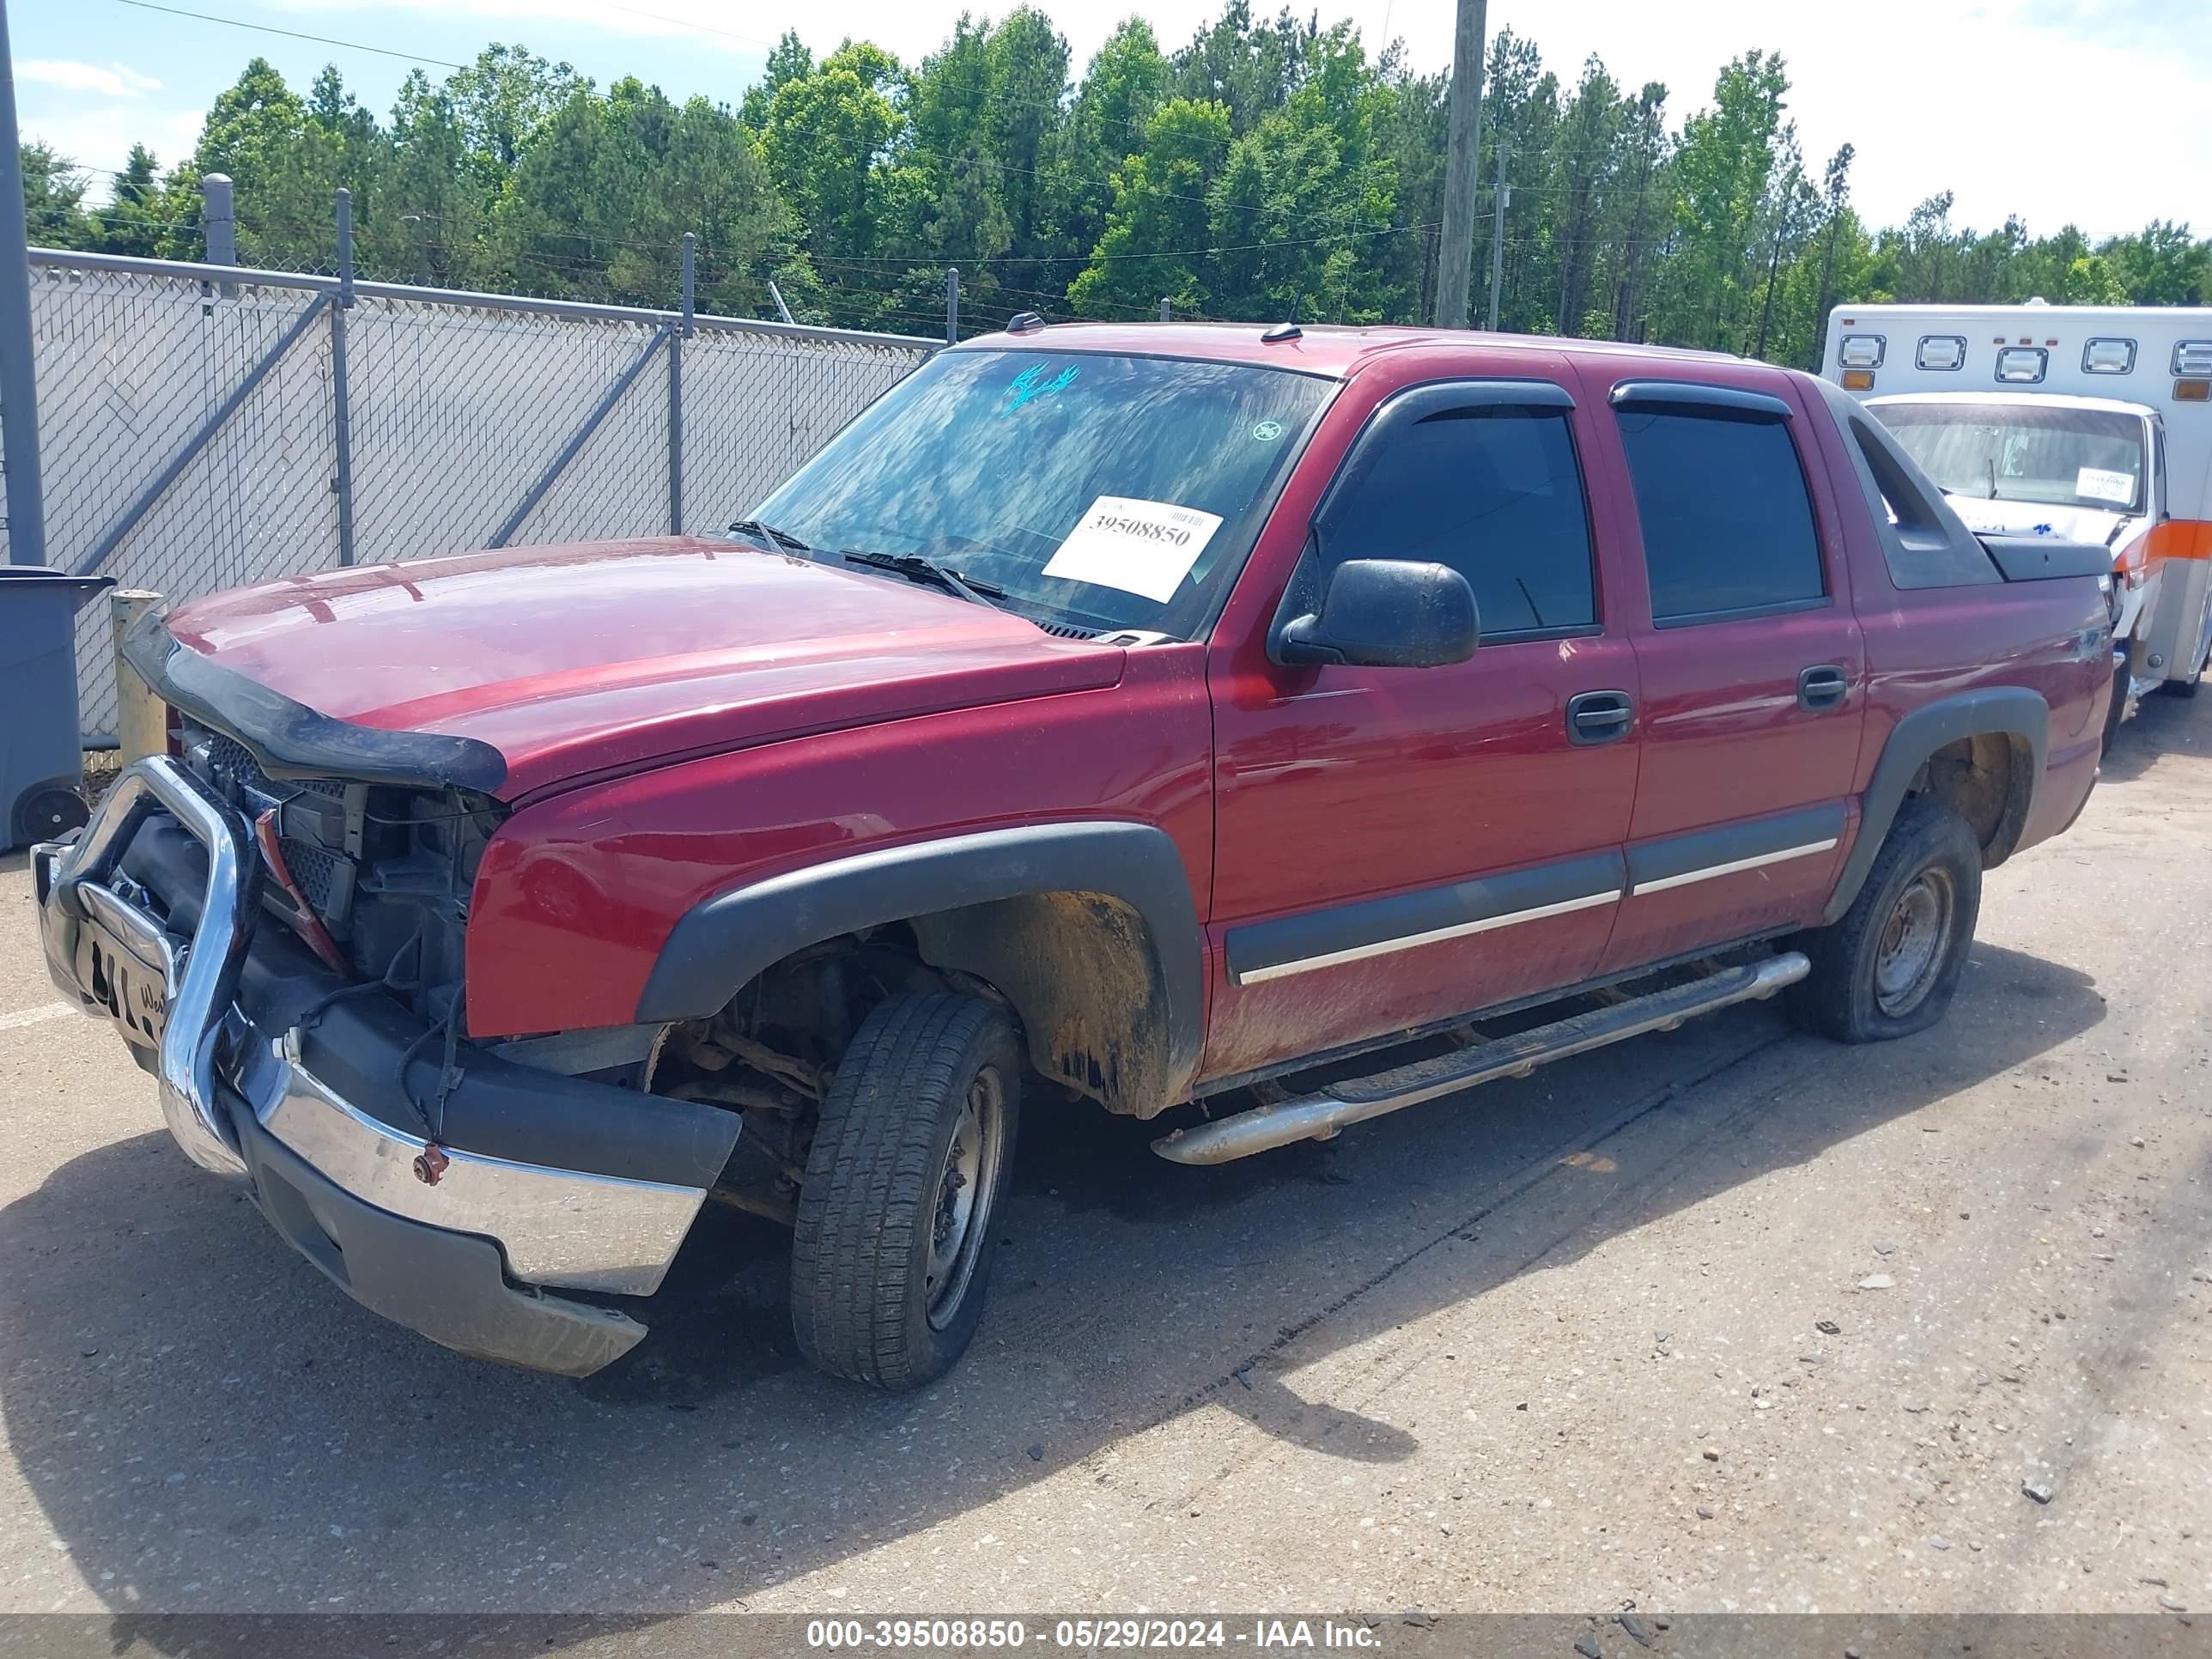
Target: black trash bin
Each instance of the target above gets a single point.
(41, 756)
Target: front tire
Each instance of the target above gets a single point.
(1890, 965)
(2117, 710)
(895, 1235)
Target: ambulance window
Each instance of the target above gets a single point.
(2109, 356)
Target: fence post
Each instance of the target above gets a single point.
(341, 398)
(676, 387)
(19, 377)
(142, 719)
(1164, 310)
(952, 305)
(219, 220)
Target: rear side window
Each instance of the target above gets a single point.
(1495, 493)
(1728, 526)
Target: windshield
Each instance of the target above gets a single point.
(2019, 453)
(1091, 491)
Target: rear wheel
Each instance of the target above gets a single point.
(893, 1240)
(1890, 965)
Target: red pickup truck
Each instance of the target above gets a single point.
(1153, 716)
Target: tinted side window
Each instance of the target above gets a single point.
(1728, 524)
(1495, 493)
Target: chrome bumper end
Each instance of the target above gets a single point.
(177, 1005)
(223, 1079)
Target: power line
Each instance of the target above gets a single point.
(686, 23)
(294, 34)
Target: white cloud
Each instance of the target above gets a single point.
(107, 81)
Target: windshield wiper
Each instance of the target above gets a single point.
(917, 569)
(767, 532)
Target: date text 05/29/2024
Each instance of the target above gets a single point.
(1259, 1635)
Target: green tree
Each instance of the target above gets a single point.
(133, 222)
(1643, 168)
(1122, 90)
(2161, 265)
(788, 61)
(1159, 227)
(829, 144)
(609, 186)
(53, 198)
(1269, 164)
(1582, 178)
(1723, 165)
(502, 100)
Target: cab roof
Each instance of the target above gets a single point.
(1329, 348)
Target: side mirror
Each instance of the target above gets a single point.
(1386, 613)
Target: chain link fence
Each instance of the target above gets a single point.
(204, 426)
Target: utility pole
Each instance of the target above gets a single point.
(1504, 193)
(19, 378)
(1456, 249)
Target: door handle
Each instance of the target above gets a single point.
(1599, 716)
(1822, 687)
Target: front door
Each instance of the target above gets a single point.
(1396, 846)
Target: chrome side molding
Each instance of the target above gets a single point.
(1317, 1117)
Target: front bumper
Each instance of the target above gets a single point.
(537, 1181)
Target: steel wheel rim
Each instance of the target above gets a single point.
(967, 1185)
(1911, 952)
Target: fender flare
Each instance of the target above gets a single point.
(2008, 711)
(723, 943)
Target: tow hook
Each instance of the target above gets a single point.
(430, 1163)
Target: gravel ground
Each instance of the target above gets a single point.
(1729, 1319)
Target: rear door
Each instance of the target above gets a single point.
(1752, 671)
(1398, 846)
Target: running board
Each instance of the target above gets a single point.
(1317, 1117)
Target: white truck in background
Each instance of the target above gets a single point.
(2089, 422)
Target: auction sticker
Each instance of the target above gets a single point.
(1140, 547)
(2102, 485)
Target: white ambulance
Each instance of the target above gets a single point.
(2089, 422)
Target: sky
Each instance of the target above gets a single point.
(2086, 112)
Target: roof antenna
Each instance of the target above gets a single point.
(1288, 329)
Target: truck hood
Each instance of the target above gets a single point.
(2073, 523)
(575, 660)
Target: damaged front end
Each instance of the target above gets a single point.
(280, 945)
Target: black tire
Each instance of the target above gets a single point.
(2118, 710)
(47, 812)
(1870, 982)
(876, 1295)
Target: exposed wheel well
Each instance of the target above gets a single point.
(1988, 780)
(1079, 971)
